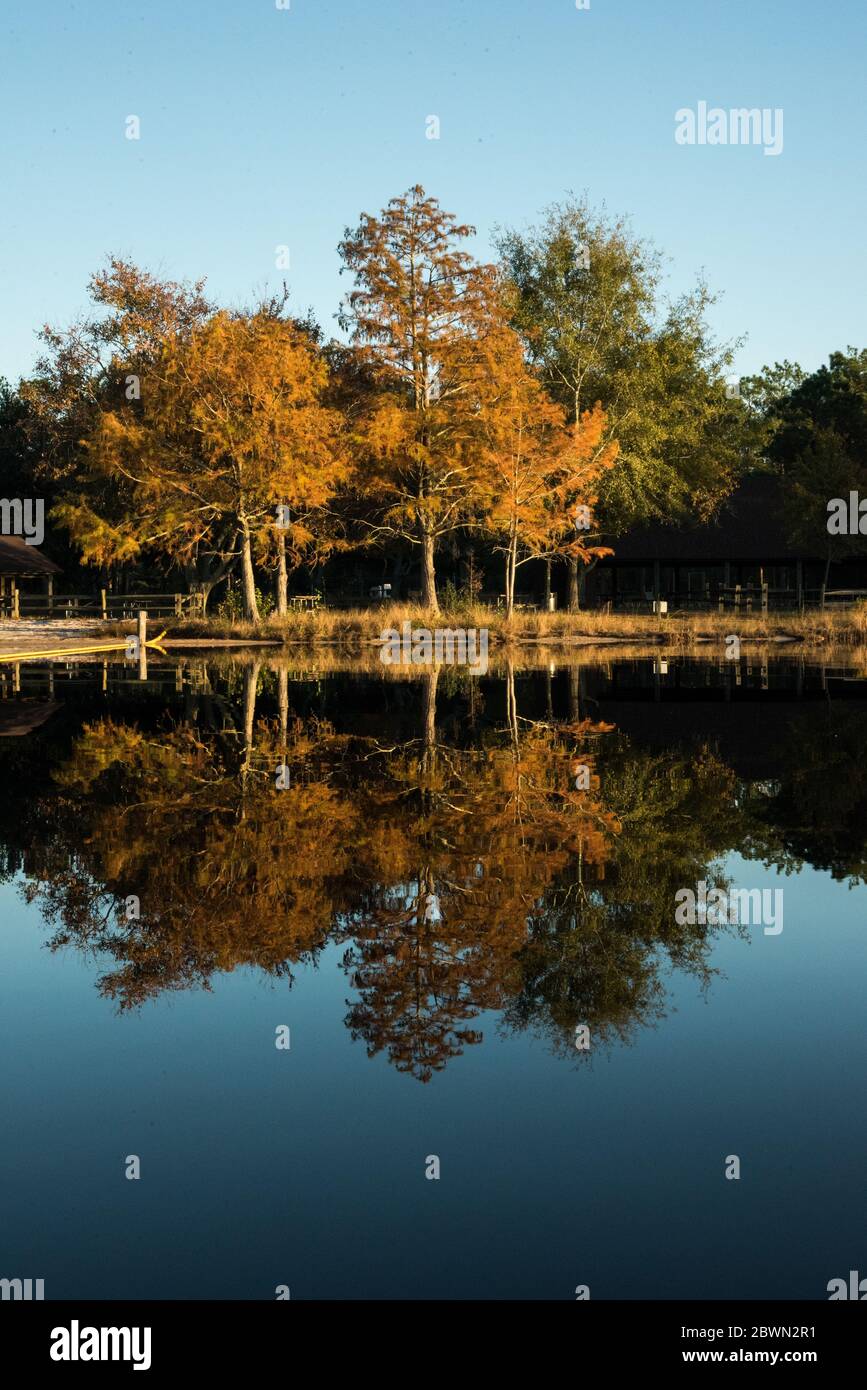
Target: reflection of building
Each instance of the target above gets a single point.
(20, 561)
(21, 717)
(746, 545)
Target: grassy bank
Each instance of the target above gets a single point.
(361, 627)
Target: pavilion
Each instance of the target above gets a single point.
(20, 561)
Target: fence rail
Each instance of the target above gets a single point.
(740, 598)
(101, 605)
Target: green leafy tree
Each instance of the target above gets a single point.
(587, 300)
(813, 433)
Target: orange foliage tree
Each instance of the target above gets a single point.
(418, 312)
(231, 427)
(539, 473)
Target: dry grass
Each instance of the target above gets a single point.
(356, 630)
(360, 627)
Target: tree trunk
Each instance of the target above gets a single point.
(512, 706)
(251, 686)
(251, 607)
(283, 704)
(251, 682)
(428, 575)
(431, 681)
(575, 694)
(205, 572)
(511, 570)
(574, 593)
(282, 577)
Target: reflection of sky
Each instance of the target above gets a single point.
(306, 1167)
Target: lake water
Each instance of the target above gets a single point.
(456, 901)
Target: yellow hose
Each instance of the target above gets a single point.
(154, 642)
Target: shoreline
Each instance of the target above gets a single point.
(362, 631)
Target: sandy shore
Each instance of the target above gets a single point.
(35, 634)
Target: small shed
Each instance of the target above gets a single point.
(20, 561)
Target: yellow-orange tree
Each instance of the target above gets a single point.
(539, 473)
(418, 311)
(230, 427)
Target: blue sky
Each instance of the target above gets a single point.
(263, 127)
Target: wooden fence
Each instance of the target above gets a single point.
(739, 599)
(102, 605)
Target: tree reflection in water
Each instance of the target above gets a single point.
(461, 877)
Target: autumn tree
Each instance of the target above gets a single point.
(419, 306)
(540, 471)
(97, 365)
(230, 437)
(587, 300)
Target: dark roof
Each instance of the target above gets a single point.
(749, 526)
(23, 560)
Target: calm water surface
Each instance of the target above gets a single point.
(452, 877)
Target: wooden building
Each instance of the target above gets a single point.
(743, 550)
(22, 563)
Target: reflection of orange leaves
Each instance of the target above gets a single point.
(459, 879)
(431, 862)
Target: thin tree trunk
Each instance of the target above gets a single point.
(574, 592)
(251, 686)
(251, 682)
(283, 704)
(431, 681)
(251, 607)
(282, 577)
(428, 575)
(511, 571)
(575, 693)
(512, 706)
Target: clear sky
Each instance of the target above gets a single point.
(263, 127)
